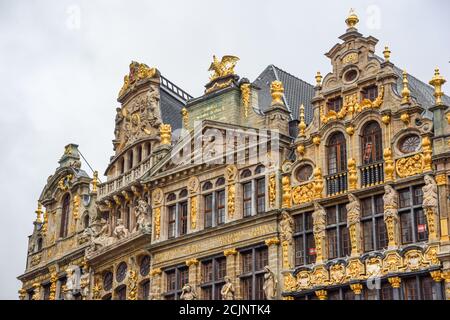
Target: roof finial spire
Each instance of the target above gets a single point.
(386, 53)
(405, 91)
(352, 19)
(302, 124)
(437, 81)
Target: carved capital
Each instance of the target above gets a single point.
(272, 241)
(321, 294)
(230, 252)
(395, 282)
(436, 275)
(191, 262)
(356, 288)
(155, 272)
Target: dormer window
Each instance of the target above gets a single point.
(370, 93)
(335, 104)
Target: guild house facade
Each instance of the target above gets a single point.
(271, 189)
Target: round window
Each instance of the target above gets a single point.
(350, 75)
(121, 271)
(410, 143)
(304, 173)
(107, 281)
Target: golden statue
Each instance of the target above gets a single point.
(165, 132)
(222, 68)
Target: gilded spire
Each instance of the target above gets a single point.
(352, 19)
(302, 124)
(276, 90)
(318, 79)
(437, 81)
(386, 53)
(39, 213)
(405, 91)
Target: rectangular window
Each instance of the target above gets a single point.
(373, 226)
(334, 104)
(213, 273)
(208, 210)
(207, 271)
(421, 225)
(183, 277)
(145, 290)
(220, 269)
(406, 227)
(413, 221)
(176, 279)
(183, 214)
(386, 292)
(261, 195)
(370, 93)
(247, 200)
(304, 245)
(332, 243)
(410, 291)
(367, 227)
(220, 207)
(252, 277)
(170, 280)
(172, 221)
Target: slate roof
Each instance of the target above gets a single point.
(172, 100)
(296, 91)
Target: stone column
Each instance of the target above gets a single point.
(156, 284)
(437, 284)
(194, 277)
(357, 290)
(446, 277)
(395, 284)
(231, 260)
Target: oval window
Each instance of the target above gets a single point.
(410, 143)
(350, 75)
(304, 173)
(121, 271)
(107, 281)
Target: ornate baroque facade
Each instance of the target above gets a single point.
(346, 198)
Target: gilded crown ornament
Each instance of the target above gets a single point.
(185, 117)
(405, 91)
(352, 19)
(437, 81)
(277, 90)
(165, 133)
(94, 182)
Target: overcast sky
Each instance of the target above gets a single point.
(62, 64)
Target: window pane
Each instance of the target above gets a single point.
(406, 227)
(259, 283)
(405, 198)
(427, 288)
(170, 280)
(368, 236)
(247, 288)
(183, 218)
(220, 207)
(418, 196)
(208, 210)
(344, 242)
(184, 277)
(247, 191)
(410, 289)
(262, 259)
(381, 236)
(331, 215)
(207, 271)
(207, 293)
(310, 247)
(366, 207)
(386, 291)
(221, 269)
(332, 243)
(421, 225)
(247, 262)
(299, 251)
(171, 225)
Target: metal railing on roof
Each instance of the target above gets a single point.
(175, 89)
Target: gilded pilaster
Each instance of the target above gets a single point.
(391, 217)
(319, 224)
(354, 224)
(53, 280)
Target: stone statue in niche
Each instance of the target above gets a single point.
(188, 293)
(270, 284)
(72, 286)
(319, 216)
(390, 199)
(227, 291)
(286, 227)
(84, 283)
(120, 231)
(142, 218)
(353, 210)
(430, 195)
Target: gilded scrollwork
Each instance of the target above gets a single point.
(303, 193)
(287, 192)
(409, 166)
(272, 190)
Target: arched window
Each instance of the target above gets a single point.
(65, 216)
(337, 153)
(246, 173)
(259, 169)
(183, 193)
(371, 143)
(140, 153)
(39, 244)
(130, 159)
(220, 182)
(171, 197)
(207, 186)
(122, 165)
(86, 221)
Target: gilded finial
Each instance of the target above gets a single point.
(405, 91)
(185, 117)
(386, 53)
(94, 182)
(165, 133)
(352, 19)
(302, 124)
(276, 90)
(437, 81)
(39, 213)
(318, 79)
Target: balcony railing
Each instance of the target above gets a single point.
(123, 180)
(372, 174)
(336, 183)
